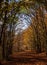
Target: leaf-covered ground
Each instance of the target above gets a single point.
(24, 59)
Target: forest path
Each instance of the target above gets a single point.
(26, 58)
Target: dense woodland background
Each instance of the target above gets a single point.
(34, 37)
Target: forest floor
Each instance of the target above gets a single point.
(26, 58)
